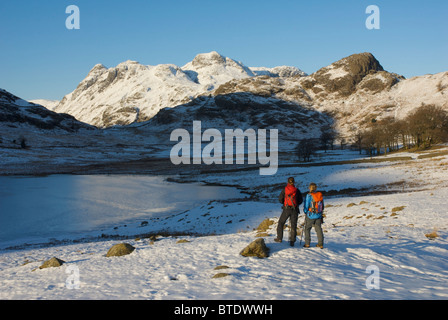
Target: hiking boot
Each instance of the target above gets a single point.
(306, 245)
(319, 246)
(291, 243)
(277, 240)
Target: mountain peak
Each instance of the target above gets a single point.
(126, 64)
(361, 63)
(212, 69)
(98, 68)
(206, 59)
(345, 74)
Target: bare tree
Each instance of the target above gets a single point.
(327, 137)
(305, 149)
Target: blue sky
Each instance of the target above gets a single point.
(41, 58)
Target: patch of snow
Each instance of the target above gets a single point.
(49, 104)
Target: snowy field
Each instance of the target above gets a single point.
(384, 227)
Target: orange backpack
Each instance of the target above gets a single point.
(317, 205)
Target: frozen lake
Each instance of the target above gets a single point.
(35, 208)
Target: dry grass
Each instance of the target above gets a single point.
(433, 235)
(220, 275)
(265, 225)
(433, 154)
(393, 214)
(396, 209)
(262, 235)
(221, 267)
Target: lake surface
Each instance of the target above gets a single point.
(53, 206)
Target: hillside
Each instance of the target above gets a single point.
(15, 111)
(35, 140)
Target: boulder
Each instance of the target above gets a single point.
(51, 263)
(120, 249)
(257, 249)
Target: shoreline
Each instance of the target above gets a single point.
(199, 174)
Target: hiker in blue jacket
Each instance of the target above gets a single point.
(313, 208)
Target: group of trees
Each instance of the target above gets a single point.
(426, 126)
(422, 128)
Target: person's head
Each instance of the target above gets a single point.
(291, 180)
(313, 187)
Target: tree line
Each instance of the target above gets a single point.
(422, 128)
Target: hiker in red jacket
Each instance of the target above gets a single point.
(291, 198)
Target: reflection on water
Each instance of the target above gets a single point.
(60, 204)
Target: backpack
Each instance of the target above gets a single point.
(290, 196)
(317, 205)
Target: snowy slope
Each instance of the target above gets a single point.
(49, 104)
(384, 230)
(212, 69)
(127, 93)
(280, 71)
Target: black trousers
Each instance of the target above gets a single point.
(291, 214)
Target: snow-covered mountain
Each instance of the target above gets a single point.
(357, 89)
(132, 92)
(351, 92)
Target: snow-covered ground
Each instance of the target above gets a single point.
(383, 226)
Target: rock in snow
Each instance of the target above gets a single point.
(120, 249)
(256, 248)
(52, 263)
